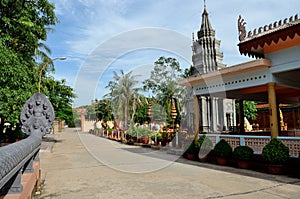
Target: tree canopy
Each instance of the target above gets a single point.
(24, 25)
(163, 83)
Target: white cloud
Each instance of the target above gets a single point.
(87, 24)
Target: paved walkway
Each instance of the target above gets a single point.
(84, 166)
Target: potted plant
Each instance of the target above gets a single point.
(192, 151)
(222, 151)
(276, 154)
(243, 155)
(204, 145)
(144, 134)
(158, 137)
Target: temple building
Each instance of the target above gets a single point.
(216, 113)
(272, 78)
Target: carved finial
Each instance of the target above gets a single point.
(205, 4)
(37, 115)
(241, 28)
(193, 37)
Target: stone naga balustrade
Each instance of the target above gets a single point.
(15, 160)
(22, 158)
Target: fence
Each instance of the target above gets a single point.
(18, 161)
(257, 143)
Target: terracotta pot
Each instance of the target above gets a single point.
(221, 161)
(203, 155)
(144, 140)
(190, 156)
(276, 169)
(243, 164)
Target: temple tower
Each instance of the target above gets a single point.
(216, 114)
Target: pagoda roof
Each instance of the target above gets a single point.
(257, 43)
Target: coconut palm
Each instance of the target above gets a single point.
(122, 90)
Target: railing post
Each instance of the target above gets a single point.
(217, 139)
(242, 140)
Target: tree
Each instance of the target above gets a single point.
(249, 107)
(104, 111)
(163, 83)
(122, 90)
(61, 96)
(17, 85)
(24, 23)
(23, 26)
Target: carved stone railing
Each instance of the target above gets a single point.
(257, 143)
(15, 160)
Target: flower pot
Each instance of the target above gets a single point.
(203, 155)
(190, 156)
(243, 164)
(221, 161)
(275, 169)
(144, 140)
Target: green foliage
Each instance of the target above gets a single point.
(139, 132)
(24, 23)
(163, 83)
(204, 143)
(141, 114)
(192, 148)
(61, 96)
(243, 153)
(16, 80)
(159, 137)
(250, 111)
(223, 149)
(187, 72)
(275, 152)
(122, 91)
(103, 110)
(23, 27)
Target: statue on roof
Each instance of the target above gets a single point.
(241, 28)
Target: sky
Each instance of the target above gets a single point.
(102, 36)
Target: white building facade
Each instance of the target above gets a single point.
(215, 113)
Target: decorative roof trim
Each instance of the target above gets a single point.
(267, 29)
(282, 29)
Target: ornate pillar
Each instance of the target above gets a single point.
(196, 116)
(273, 110)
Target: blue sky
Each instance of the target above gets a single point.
(101, 36)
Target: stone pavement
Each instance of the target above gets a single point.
(84, 166)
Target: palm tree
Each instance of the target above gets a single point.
(122, 90)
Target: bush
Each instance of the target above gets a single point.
(223, 149)
(193, 149)
(243, 153)
(204, 143)
(275, 152)
(158, 137)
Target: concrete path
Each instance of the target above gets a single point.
(84, 166)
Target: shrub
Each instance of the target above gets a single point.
(192, 148)
(222, 149)
(275, 152)
(204, 143)
(243, 153)
(158, 137)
